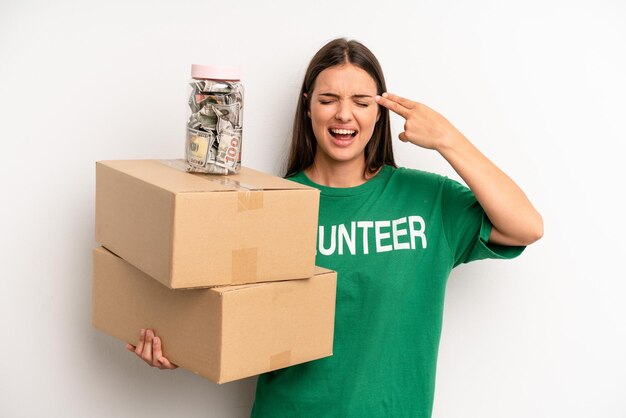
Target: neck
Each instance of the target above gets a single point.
(337, 174)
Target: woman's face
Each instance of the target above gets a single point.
(343, 113)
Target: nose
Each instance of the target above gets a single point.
(344, 112)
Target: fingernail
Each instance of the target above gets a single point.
(142, 332)
(385, 94)
(377, 98)
(156, 340)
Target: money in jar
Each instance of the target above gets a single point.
(214, 127)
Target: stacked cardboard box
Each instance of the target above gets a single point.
(222, 267)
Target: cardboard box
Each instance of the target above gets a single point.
(221, 333)
(198, 230)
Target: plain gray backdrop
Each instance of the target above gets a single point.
(537, 85)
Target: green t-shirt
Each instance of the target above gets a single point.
(393, 242)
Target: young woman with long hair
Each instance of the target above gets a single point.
(392, 234)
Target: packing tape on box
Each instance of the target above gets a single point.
(249, 200)
(280, 360)
(179, 165)
(244, 265)
(249, 197)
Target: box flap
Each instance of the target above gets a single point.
(319, 271)
(171, 175)
(322, 270)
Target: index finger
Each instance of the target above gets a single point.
(140, 343)
(409, 104)
(392, 105)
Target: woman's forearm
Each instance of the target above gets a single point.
(514, 218)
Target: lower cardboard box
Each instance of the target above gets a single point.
(222, 333)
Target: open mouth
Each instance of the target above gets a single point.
(342, 134)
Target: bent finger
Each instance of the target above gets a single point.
(403, 137)
(166, 364)
(157, 353)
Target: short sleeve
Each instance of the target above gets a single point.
(467, 227)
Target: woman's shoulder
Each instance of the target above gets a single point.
(419, 182)
(412, 175)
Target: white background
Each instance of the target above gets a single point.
(537, 85)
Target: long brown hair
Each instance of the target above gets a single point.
(378, 151)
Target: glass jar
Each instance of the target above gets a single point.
(214, 126)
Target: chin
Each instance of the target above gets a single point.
(343, 157)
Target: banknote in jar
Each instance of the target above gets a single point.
(228, 149)
(199, 145)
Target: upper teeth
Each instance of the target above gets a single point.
(343, 131)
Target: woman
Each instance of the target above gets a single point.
(392, 234)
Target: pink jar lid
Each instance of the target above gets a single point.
(215, 72)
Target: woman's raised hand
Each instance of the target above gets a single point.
(149, 349)
(423, 126)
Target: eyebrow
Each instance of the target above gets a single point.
(354, 96)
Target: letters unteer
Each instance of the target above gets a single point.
(405, 233)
